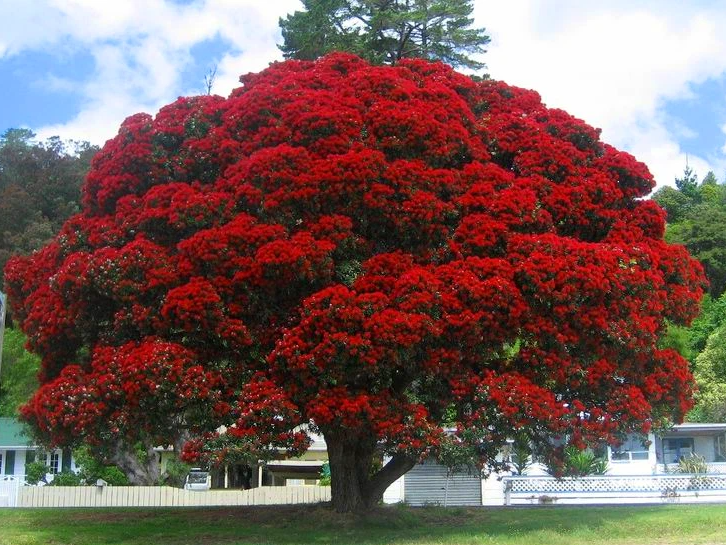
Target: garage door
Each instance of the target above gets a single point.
(431, 484)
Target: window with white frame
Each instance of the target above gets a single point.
(675, 448)
(2, 460)
(54, 462)
(632, 449)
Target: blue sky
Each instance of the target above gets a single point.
(651, 74)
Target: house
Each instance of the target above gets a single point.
(638, 471)
(707, 440)
(280, 471)
(17, 450)
(634, 464)
(303, 470)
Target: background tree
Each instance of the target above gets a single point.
(385, 31)
(18, 375)
(713, 315)
(374, 252)
(696, 215)
(710, 373)
(39, 189)
(688, 184)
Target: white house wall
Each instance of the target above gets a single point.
(634, 467)
(492, 491)
(395, 492)
(21, 461)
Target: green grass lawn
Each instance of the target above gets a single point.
(671, 524)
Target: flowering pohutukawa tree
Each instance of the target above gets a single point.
(374, 252)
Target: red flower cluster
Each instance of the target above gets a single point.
(131, 392)
(376, 251)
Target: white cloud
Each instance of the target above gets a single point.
(615, 64)
(140, 48)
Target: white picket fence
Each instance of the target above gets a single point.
(9, 486)
(164, 496)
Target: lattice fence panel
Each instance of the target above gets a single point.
(606, 483)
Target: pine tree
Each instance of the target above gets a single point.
(385, 31)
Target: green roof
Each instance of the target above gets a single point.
(11, 434)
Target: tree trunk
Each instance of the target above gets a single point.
(180, 440)
(140, 470)
(353, 488)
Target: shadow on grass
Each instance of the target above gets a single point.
(394, 525)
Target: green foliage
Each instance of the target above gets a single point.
(113, 476)
(311, 33)
(710, 374)
(175, 473)
(679, 339)
(703, 233)
(385, 31)
(18, 374)
(697, 219)
(696, 216)
(457, 456)
(39, 189)
(521, 455)
(713, 314)
(91, 469)
(694, 463)
(676, 204)
(66, 478)
(35, 472)
(706, 356)
(688, 184)
(580, 463)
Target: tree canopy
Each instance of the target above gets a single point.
(385, 31)
(710, 372)
(375, 252)
(39, 189)
(696, 214)
(18, 373)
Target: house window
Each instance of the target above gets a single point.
(632, 449)
(676, 448)
(54, 462)
(2, 459)
(9, 463)
(719, 447)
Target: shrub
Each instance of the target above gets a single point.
(579, 463)
(521, 456)
(176, 473)
(694, 463)
(91, 469)
(35, 472)
(66, 478)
